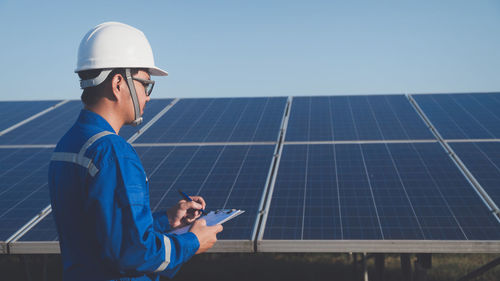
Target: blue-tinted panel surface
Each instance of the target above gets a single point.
(226, 176)
(378, 117)
(46, 129)
(218, 120)
(375, 191)
(483, 161)
(152, 108)
(463, 116)
(23, 187)
(13, 112)
(43, 231)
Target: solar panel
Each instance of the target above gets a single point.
(375, 192)
(13, 112)
(23, 187)
(46, 129)
(377, 117)
(226, 176)
(463, 116)
(218, 120)
(483, 161)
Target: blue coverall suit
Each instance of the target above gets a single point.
(100, 202)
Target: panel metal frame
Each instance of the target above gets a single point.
(176, 144)
(471, 140)
(271, 177)
(358, 142)
(52, 247)
(4, 248)
(269, 193)
(379, 246)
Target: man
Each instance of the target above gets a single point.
(98, 188)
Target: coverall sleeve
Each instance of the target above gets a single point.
(125, 229)
(160, 221)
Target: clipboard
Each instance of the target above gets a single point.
(219, 216)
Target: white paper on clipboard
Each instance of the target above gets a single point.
(214, 217)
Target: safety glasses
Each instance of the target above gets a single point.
(148, 84)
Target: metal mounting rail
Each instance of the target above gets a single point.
(29, 225)
(11, 146)
(358, 142)
(477, 186)
(201, 144)
(264, 208)
(269, 177)
(472, 140)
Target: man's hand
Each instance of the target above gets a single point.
(207, 235)
(184, 212)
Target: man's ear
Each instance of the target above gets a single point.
(117, 86)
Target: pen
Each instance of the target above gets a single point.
(189, 200)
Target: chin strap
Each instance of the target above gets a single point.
(135, 100)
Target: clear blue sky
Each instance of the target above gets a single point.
(263, 48)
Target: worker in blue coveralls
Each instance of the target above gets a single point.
(98, 188)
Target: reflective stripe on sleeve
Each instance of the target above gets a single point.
(93, 139)
(163, 265)
(76, 159)
(79, 158)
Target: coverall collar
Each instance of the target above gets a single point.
(90, 118)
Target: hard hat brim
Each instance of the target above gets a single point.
(157, 72)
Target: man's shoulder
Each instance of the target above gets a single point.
(113, 144)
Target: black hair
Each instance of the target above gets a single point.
(91, 95)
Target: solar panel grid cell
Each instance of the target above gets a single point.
(355, 118)
(463, 116)
(46, 129)
(219, 120)
(483, 160)
(13, 112)
(23, 187)
(170, 128)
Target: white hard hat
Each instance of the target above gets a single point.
(116, 45)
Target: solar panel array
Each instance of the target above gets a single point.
(377, 173)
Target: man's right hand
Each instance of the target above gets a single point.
(207, 235)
